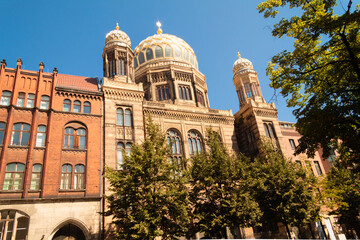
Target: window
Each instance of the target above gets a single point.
(20, 134)
(14, 176)
(162, 92)
(177, 51)
(309, 167)
(149, 54)
(119, 117)
(141, 58)
(135, 63)
(13, 225)
(120, 148)
(318, 168)
(241, 95)
(200, 97)
(184, 92)
(248, 90)
(35, 177)
(195, 142)
(174, 140)
(255, 90)
(75, 139)
(122, 67)
(87, 107)
(2, 130)
(66, 172)
(21, 100)
(269, 130)
(44, 103)
(79, 178)
(5, 98)
(30, 100)
(292, 144)
(159, 52)
(168, 51)
(77, 106)
(41, 136)
(66, 105)
(127, 118)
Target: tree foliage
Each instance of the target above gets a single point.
(284, 190)
(149, 198)
(321, 76)
(219, 191)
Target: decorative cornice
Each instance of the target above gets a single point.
(79, 94)
(124, 95)
(265, 113)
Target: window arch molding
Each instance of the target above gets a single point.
(124, 116)
(195, 141)
(175, 140)
(75, 135)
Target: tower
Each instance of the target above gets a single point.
(256, 118)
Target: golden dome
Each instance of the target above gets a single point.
(164, 47)
(242, 63)
(117, 37)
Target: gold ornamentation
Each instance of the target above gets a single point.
(239, 55)
(117, 26)
(159, 31)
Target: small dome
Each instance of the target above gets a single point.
(164, 46)
(117, 37)
(242, 63)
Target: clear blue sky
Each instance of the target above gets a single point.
(70, 35)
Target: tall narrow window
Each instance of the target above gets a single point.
(255, 90)
(66, 105)
(2, 130)
(149, 54)
(174, 140)
(119, 117)
(35, 177)
(127, 118)
(200, 97)
(269, 130)
(44, 103)
(20, 134)
(5, 98)
(79, 178)
(66, 172)
(128, 148)
(248, 90)
(184, 92)
(14, 176)
(195, 142)
(30, 100)
(122, 67)
(21, 100)
(120, 155)
(41, 136)
(159, 52)
(318, 168)
(87, 107)
(77, 106)
(69, 137)
(163, 92)
(292, 144)
(81, 138)
(141, 58)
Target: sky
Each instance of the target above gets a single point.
(70, 35)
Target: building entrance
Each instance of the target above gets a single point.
(69, 232)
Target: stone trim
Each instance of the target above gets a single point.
(265, 113)
(124, 95)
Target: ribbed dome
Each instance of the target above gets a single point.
(117, 37)
(242, 63)
(164, 46)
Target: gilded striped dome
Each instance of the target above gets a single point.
(117, 37)
(242, 63)
(164, 47)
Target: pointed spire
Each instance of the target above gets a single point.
(159, 31)
(117, 26)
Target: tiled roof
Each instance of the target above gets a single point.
(77, 82)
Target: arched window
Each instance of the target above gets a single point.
(128, 149)
(66, 172)
(77, 106)
(30, 100)
(184, 92)
(162, 92)
(87, 107)
(5, 98)
(119, 117)
(120, 155)
(269, 130)
(149, 54)
(75, 139)
(195, 142)
(174, 140)
(79, 178)
(122, 67)
(2, 130)
(200, 97)
(21, 99)
(66, 105)
(41, 136)
(141, 58)
(14, 176)
(168, 51)
(35, 177)
(127, 118)
(248, 91)
(20, 134)
(13, 225)
(159, 52)
(44, 103)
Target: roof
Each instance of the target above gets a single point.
(77, 82)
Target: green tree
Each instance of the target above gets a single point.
(321, 76)
(219, 193)
(284, 190)
(149, 197)
(342, 187)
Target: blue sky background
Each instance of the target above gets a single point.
(70, 35)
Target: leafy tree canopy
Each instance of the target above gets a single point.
(220, 193)
(321, 76)
(149, 198)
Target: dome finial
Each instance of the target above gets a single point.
(117, 26)
(159, 31)
(239, 55)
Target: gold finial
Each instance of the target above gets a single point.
(239, 55)
(159, 31)
(117, 26)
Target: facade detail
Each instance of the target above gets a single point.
(58, 131)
